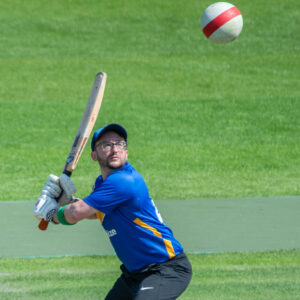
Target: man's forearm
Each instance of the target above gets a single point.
(74, 212)
(65, 214)
(93, 217)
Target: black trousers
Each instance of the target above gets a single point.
(163, 281)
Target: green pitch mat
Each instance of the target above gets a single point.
(202, 226)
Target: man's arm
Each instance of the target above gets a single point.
(77, 211)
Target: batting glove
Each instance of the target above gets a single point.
(68, 189)
(52, 187)
(61, 188)
(45, 208)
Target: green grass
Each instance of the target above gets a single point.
(204, 120)
(268, 275)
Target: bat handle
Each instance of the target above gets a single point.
(68, 173)
(43, 224)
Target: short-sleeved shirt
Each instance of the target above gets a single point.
(131, 219)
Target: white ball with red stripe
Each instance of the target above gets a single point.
(221, 22)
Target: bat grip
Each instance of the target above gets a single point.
(43, 225)
(68, 173)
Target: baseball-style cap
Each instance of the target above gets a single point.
(110, 127)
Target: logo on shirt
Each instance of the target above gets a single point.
(111, 232)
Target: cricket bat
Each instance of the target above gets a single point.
(85, 128)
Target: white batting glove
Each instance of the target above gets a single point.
(68, 189)
(61, 188)
(45, 208)
(52, 187)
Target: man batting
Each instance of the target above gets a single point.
(154, 265)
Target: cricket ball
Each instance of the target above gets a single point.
(221, 22)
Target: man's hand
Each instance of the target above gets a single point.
(52, 187)
(55, 193)
(68, 189)
(60, 188)
(45, 208)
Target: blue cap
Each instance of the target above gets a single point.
(110, 127)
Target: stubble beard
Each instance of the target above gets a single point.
(108, 165)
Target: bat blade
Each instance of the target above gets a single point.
(87, 123)
(85, 128)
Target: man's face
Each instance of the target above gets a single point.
(110, 151)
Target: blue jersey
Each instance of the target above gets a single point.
(131, 219)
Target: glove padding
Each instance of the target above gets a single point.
(68, 189)
(45, 208)
(52, 187)
(60, 188)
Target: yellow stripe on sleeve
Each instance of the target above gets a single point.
(167, 243)
(144, 225)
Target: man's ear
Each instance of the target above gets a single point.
(94, 156)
